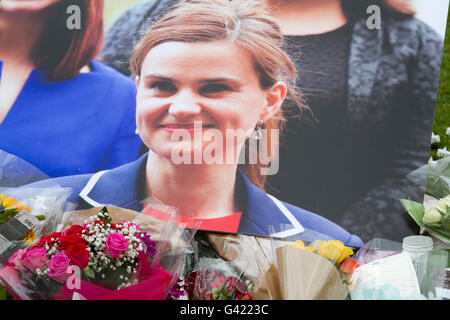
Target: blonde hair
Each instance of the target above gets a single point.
(244, 22)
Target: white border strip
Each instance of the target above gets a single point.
(298, 228)
(88, 188)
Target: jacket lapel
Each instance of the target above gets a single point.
(264, 214)
(122, 187)
(365, 53)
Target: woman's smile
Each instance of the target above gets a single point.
(190, 127)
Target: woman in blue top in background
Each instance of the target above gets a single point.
(59, 110)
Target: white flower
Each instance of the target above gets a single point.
(431, 216)
(448, 131)
(435, 138)
(441, 205)
(443, 152)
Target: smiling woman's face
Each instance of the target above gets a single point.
(182, 83)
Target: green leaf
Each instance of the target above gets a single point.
(445, 220)
(40, 217)
(88, 271)
(3, 295)
(415, 210)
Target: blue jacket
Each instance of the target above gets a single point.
(125, 187)
(81, 125)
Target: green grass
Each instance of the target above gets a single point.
(442, 114)
(114, 9)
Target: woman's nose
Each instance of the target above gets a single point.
(184, 105)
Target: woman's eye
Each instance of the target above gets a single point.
(163, 86)
(214, 88)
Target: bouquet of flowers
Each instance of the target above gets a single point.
(214, 269)
(433, 215)
(335, 252)
(9, 209)
(215, 285)
(264, 268)
(300, 269)
(27, 214)
(26, 217)
(96, 260)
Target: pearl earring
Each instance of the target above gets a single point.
(257, 134)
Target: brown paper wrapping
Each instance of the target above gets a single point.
(299, 275)
(116, 214)
(308, 276)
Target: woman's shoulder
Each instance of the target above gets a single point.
(322, 225)
(404, 30)
(116, 78)
(117, 91)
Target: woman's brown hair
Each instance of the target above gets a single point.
(66, 51)
(243, 22)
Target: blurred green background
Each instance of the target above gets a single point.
(114, 8)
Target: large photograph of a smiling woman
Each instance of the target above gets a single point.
(207, 69)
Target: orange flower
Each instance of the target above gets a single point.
(347, 267)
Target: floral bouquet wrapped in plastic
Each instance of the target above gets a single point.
(210, 284)
(218, 268)
(98, 260)
(264, 268)
(433, 215)
(299, 268)
(32, 215)
(302, 272)
(27, 214)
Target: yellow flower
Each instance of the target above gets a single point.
(300, 245)
(12, 203)
(30, 237)
(6, 202)
(334, 250)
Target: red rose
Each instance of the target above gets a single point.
(67, 241)
(78, 254)
(48, 239)
(76, 229)
(244, 296)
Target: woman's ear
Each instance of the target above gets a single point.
(274, 99)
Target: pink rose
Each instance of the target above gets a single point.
(35, 258)
(17, 257)
(58, 267)
(116, 244)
